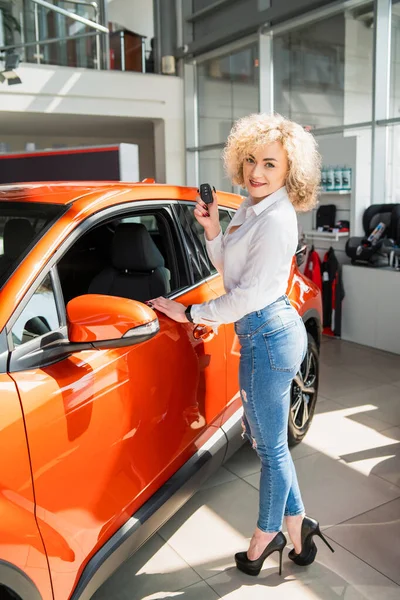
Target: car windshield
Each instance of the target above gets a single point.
(22, 224)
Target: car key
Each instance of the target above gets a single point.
(206, 193)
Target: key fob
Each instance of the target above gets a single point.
(206, 193)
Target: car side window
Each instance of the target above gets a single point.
(195, 240)
(224, 219)
(113, 257)
(39, 316)
(149, 221)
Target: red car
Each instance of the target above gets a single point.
(111, 415)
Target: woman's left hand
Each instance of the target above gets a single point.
(173, 310)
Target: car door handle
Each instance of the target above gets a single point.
(203, 332)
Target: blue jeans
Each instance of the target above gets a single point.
(273, 345)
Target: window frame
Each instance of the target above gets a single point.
(203, 257)
(166, 224)
(20, 356)
(62, 210)
(57, 304)
(17, 354)
(192, 204)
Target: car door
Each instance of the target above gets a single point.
(231, 340)
(216, 346)
(106, 428)
(22, 555)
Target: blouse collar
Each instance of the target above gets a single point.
(269, 200)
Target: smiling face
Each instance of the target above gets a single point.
(265, 170)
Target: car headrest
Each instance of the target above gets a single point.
(134, 250)
(18, 234)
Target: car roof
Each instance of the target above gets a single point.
(62, 192)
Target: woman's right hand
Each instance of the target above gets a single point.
(208, 216)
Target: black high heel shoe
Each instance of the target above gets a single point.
(253, 567)
(309, 528)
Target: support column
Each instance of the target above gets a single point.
(165, 27)
(266, 72)
(381, 95)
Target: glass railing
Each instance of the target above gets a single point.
(69, 33)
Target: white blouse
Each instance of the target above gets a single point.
(254, 260)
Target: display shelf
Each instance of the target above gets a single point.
(333, 236)
(335, 192)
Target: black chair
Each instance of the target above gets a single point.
(137, 270)
(359, 250)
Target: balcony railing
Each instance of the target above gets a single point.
(70, 33)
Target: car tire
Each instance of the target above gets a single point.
(304, 393)
(6, 594)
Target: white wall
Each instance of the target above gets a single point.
(62, 90)
(136, 15)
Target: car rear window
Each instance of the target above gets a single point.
(22, 224)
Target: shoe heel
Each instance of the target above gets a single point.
(280, 561)
(323, 538)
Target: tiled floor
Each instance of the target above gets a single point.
(349, 472)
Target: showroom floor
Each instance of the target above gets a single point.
(349, 472)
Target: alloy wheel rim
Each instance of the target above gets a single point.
(304, 391)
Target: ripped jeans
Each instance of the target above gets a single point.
(273, 345)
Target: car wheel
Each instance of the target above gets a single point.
(6, 594)
(304, 394)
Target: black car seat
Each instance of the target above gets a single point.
(137, 270)
(358, 249)
(391, 245)
(17, 235)
(87, 257)
(394, 233)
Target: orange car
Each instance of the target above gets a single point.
(111, 415)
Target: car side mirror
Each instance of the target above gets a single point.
(301, 254)
(109, 321)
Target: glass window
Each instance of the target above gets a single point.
(393, 171)
(195, 241)
(227, 88)
(80, 52)
(211, 169)
(91, 260)
(195, 244)
(39, 315)
(395, 62)
(22, 224)
(224, 219)
(323, 71)
(358, 64)
(149, 221)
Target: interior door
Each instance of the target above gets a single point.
(105, 428)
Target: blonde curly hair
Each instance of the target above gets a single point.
(253, 131)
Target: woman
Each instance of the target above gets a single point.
(277, 161)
